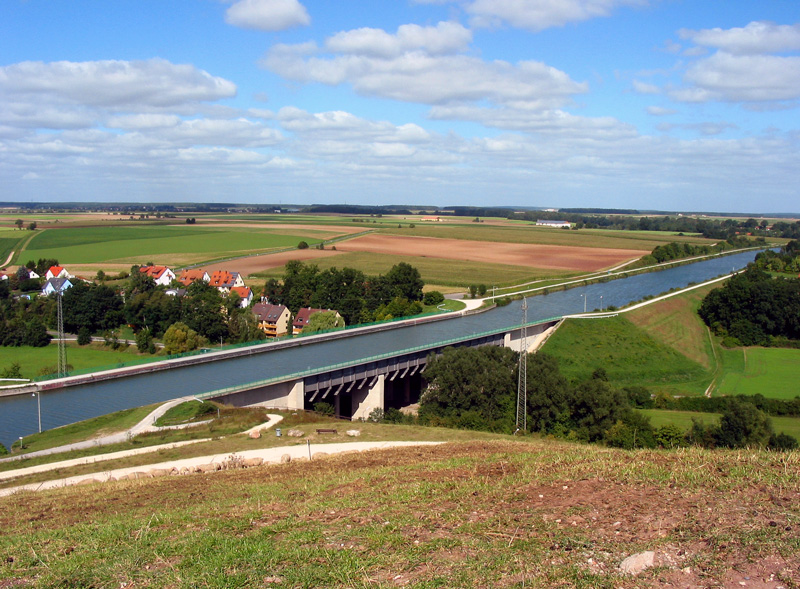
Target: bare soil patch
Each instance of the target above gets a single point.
(550, 257)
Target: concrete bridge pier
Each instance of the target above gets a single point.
(285, 395)
(365, 400)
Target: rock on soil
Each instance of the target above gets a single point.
(636, 563)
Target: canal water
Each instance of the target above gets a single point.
(19, 417)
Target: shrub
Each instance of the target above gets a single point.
(324, 408)
(432, 298)
(782, 442)
(84, 336)
(302, 245)
(3, 450)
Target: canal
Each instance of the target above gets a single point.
(18, 415)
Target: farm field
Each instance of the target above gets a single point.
(683, 419)
(546, 257)
(772, 372)
(435, 272)
(529, 233)
(173, 245)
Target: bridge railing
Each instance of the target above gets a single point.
(359, 362)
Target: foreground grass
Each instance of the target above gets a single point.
(469, 514)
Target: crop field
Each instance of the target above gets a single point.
(435, 272)
(545, 257)
(511, 233)
(174, 245)
(772, 372)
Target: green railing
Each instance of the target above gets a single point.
(368, 359)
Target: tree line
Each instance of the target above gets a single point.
(358, 298)
(476, 388)
(754, 309)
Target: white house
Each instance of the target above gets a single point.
(57, 272)
(245, 294)
(162, 275)
(56, 285)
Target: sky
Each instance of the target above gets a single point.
(676, 105)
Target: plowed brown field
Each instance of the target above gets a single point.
(550, 257)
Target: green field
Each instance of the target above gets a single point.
(772, 372)
(595, 238)
(160, 244)
(683, 419)
(33, 360)
(666, 347)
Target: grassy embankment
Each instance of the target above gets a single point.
(472, 514)
(667, 348)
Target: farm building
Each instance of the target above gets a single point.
(547, 223)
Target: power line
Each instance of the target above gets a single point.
(522, 384)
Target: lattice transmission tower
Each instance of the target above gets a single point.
(62, 344)
(522, 383)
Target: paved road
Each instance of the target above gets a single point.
(146, 425)
(268, 455)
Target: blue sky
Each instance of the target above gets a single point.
(646, 104)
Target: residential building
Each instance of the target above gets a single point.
(273, 320)
(162, 275)
(561, 224)
(245, 294)
(224, 281)
(303, 316)
(189, 276)
(56, 285)
(57, 272)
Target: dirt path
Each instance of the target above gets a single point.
(8, 260)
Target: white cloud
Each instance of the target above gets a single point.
(113, 84)
(708, 128)
(445, 38)
(143, 121)
(417, 76)
(537, 15)
(756, 37)
(660, 111)
(267, 15)
(645, 88)
(742, 78)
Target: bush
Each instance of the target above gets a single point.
(3, 450)
(432, 298)
(84, 336)
(302, 245)
(782, 442)
(670, 436)
(376, 415)
(324, 408)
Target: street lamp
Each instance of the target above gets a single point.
(38, 408)
(601, 303)
(584, 302)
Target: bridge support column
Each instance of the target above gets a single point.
(365, 400)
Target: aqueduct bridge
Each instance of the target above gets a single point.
(355, 360)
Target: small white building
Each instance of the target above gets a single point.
(56, 285)
(162, 275)
(559, 224)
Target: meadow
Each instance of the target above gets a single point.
(481, 513)
(666, 347)
(33, 361)
(174, 245)
(683, 419)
